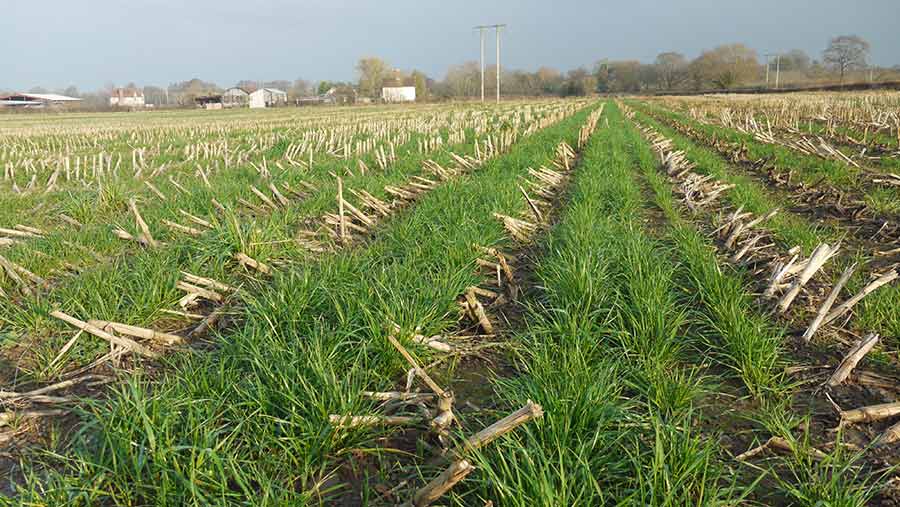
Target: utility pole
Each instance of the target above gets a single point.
(767, 68)
(777, 70)
(481, 29)
(498, 63)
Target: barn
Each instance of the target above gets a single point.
(209, 101)
(398, 94)
(235, 97)
(268, 97)
(37, 100)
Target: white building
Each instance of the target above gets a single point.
(127, 97)
(398, 93)
(37, 100)
(267, 97)
(235, 97)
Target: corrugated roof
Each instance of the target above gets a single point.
(270, 90)
(47, 97)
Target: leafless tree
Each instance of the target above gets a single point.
(846, 52)
(726, 66)
(463, 80)
(670, 69)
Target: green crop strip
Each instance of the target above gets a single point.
(809, 169)
(604, 351)
(874, 314)
(748, 343)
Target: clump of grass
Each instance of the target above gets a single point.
(837, 479)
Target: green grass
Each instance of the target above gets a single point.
(873, 314)
(133, 289)
(604, 351)
(807, 168)
(247, 423)
(755, 197)
(745, 340)
(632, 333)
(104, 203)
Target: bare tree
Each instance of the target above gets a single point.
(796, 60)
(248, 85)
(549, 80)
(846, 52)
(579, 82)
(301, 87)
(462, 80)
(154, 95)
(725, 66)
(671, 69)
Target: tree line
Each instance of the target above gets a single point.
(723, 67)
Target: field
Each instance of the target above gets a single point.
(660, 301)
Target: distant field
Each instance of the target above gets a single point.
(662, 301)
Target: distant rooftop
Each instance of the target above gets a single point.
(43, 97)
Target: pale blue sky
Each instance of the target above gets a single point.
(55, 43)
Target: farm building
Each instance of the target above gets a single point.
(235, 97)
(398, 93)
(267, 97)
(210, 101)
(127, 97)
(342, 94)
(37, 100)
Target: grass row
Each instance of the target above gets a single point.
(743, 338)
(808, 168)
(752, 346)
(873, 314)
(101, 205)
(607, 351)
(752, 195)
(618, 348)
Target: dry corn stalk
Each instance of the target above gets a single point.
(125, 343)
(249, 262)
(518, 229)
(142, 225)
(870, 413)
(852, 359)
(818, 259)
(478, 310)
(826, 306)
(137, 332)
(457, 471)
(844, 307)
